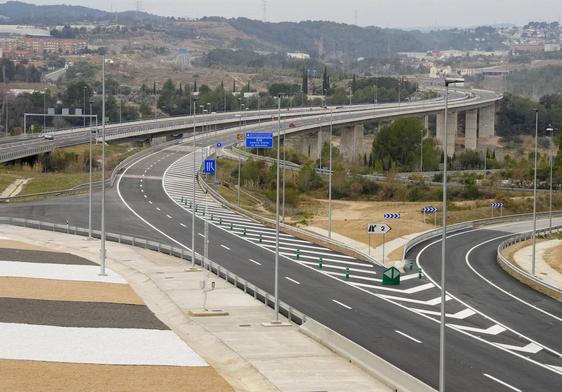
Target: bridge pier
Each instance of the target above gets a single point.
(452, 128)
(487, 121)
(471, 130)
(155, 140)
(351, 142)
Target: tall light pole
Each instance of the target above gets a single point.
(448, 81)
(84, 107)
(330, 176)
(194, 181)
(102, 252)
(276, 289)
(90, 167)
(551, 129)
(534, 236)
(421, 153)
(239, 164)
(45, 110)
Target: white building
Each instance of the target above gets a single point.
(298, 56)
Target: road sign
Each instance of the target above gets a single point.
(210, 166)
(497, 205)
(391, 216)
(430, 209)
(259, 140)
(219, 145)
(378, 228)
(391, 276)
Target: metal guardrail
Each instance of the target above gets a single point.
(472, 224)
(320, 239)
(287, 310)
(517, 272)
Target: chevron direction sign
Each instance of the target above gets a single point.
(430, 209)
(391, 216)
(497, 205)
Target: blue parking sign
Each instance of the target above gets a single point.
(210, 166)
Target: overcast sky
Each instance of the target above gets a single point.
(386, 13)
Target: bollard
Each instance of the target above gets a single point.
(212, 217)
(346, 273)
(411, 265)
(420, 273)
(244, 232)
(320, 263)
(260, 238)
(231, 226)
(298, 254)
(220, 221)
(182, 199)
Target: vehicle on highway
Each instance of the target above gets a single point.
(292, 125)
(49, 136)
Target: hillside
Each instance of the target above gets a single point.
(17, 12)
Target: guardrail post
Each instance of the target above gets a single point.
(220, 221)
(261, 239)
(231, 226)
(211, 216)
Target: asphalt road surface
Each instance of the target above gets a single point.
(494, 341)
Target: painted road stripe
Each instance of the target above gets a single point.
(502, 383)
(292, 280)
(225, 247)
(182, 225)
(158, 208)
(531, 348)
(201, 235)
(407, 336)
(255, 262)
(430, 302)
(169, 217)
(493, 330)
(341, 304)
(149, 202)
(465, 313)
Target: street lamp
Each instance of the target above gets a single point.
(448, 81)
(551, 130)
(102, 253)
(194, 179)
(330, 177)
(45, 109)
(90, 164)
(276, 289)
(534, 236)
(239, 159)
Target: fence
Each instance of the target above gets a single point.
(522, 275)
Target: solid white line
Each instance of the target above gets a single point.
(255, 262)
(182, 225)
(225, 247)
(467, 260)
(149, 202)
(201, 235)
(292, 280)
(502, 383)
(169, 216)
(407, 336)
(158, 208)
(342, 304)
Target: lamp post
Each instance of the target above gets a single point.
(102, 253)
(421, 153)
(194, 180)
(448, 81)
(534, 236)
(83, 108)
(551, 130)
(239, 159)
(45, 109)
(90, 167)
(330, 177)
(276, 289)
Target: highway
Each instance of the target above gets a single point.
(17, 147)
(492, 340)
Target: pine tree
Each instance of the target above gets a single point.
(325, 81)
(234, 86)
(154, 88)
(305, 82)
(195, 85)
(354, 84)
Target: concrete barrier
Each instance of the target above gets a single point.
(394, 377)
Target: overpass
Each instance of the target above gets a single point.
(478, 105)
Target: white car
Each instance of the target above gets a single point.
(49, 136)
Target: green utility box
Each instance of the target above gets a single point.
(391, 276)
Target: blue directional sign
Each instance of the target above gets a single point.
(496, 205)
(259, 140)
(429, 209)
(391, 216)
(210, 166)
(219, 145)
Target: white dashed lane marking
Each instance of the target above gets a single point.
(292, 280)
(341, 304)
